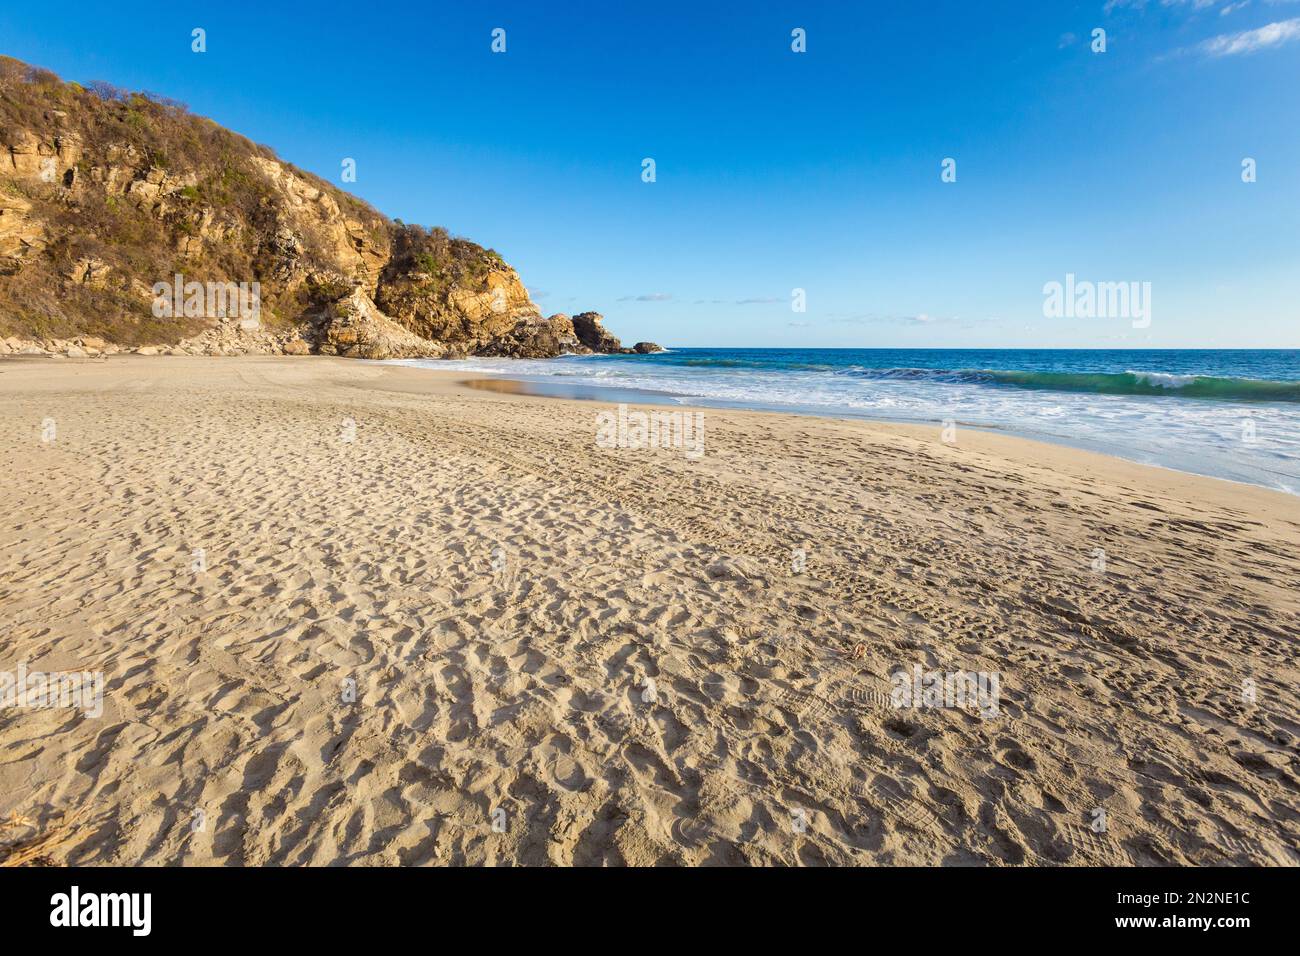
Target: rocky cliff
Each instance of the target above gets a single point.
(127, 222)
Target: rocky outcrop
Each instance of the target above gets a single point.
(358, 329)
(565, 334)
(105, 194)
(592, 334)
(535, 337)
(467, 317)
(20, 234)
(311, 208)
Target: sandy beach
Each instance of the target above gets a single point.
(351, 613)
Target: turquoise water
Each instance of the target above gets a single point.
(1232, 414)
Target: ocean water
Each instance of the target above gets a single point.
(1232, 414)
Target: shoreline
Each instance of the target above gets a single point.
(503, 384)
(506, 385)
(614, 394)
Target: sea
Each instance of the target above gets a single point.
(1226, 413)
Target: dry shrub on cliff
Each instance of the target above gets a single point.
(446, 259)
(156, 191)
(140, 243)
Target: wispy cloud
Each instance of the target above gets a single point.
(1112, 5)
(648, 297)
(921, 318)
(1230, 6)
(1251, 41)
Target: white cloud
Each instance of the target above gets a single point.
(1142, 4)
(648, 297)
(1112, 5)
(1249, 41)
(920, 318)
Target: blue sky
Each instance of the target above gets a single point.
(778, 170)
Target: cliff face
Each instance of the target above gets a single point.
(107, 197)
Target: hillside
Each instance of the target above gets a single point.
(107, 196)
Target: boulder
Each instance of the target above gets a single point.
(647, 348)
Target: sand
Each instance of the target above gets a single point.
(568, 654)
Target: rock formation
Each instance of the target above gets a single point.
(593, 335)
(107, 196)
